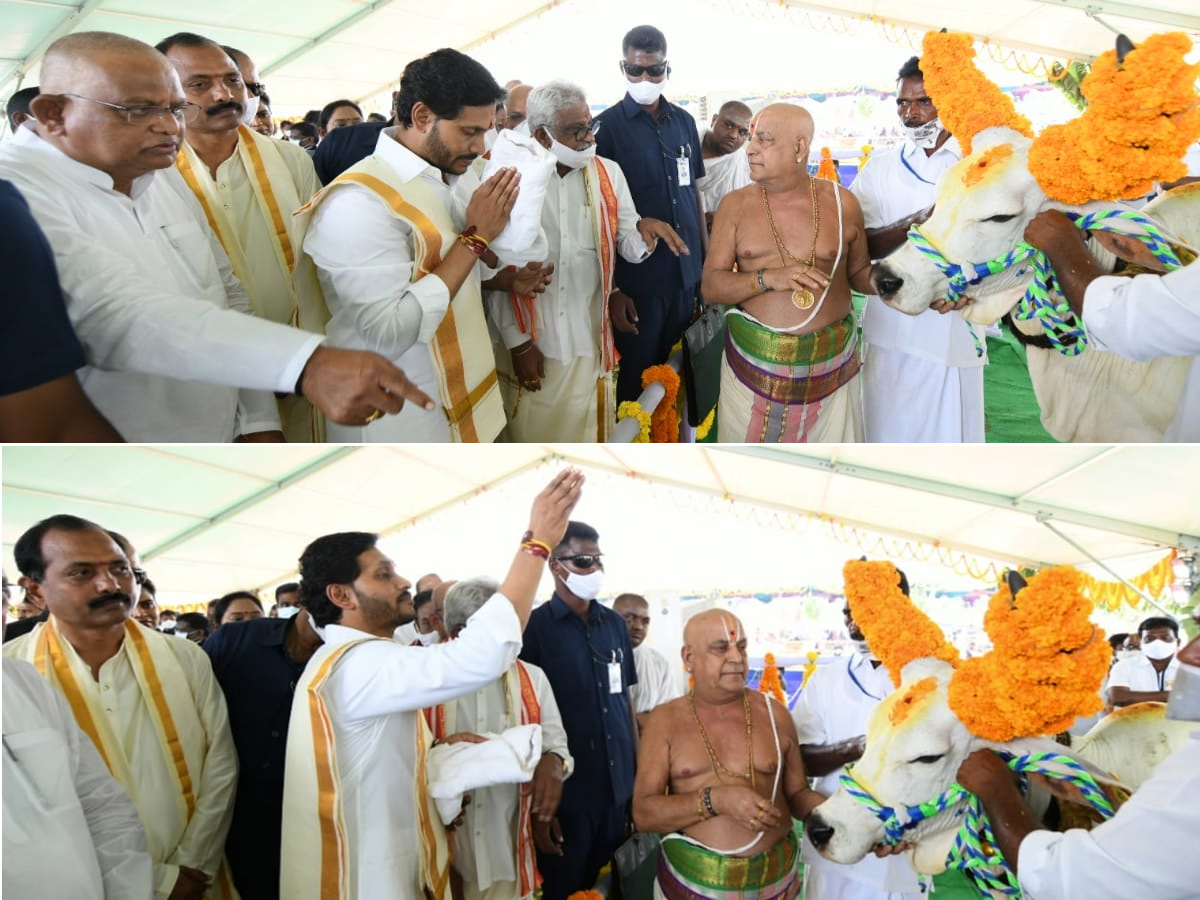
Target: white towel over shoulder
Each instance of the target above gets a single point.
(522, 240)
(506, 758)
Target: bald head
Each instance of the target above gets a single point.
(514, 105)
(711, 624)
(78, 60)
(786, 121)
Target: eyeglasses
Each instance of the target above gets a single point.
(140, 115)
(655, 71)
(256, 88)
(579, 133)
(140, 576)
(582, 561)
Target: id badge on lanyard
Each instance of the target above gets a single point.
(614, 675)
(684, 164)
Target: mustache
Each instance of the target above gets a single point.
(221, 107)
(104, 599)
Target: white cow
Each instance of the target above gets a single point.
(915, 743)
(983, 205)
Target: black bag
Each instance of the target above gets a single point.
(636, 865)
(703, 346)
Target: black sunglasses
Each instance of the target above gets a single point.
(582, 561)
(634, 71)
(140, 576)
(256, 88)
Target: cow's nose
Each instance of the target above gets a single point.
(887, 282)
(818, 831)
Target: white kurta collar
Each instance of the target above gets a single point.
(406, 163)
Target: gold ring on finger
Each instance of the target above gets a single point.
(375, 414)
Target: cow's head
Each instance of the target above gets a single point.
(983, 205)
(1044, 670)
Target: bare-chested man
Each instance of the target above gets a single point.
(791, 368)
(720, 776)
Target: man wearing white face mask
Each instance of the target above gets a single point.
(249, 186)
(557, 374)
(922, 376)
(1145, 850)
(585, 651)
(657, 145)
(1147, 675)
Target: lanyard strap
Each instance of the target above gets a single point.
(914, 171)
(857, 683)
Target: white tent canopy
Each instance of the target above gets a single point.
(208, 517)
(312, 51)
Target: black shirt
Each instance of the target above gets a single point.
(37, 342)
(258, 677)
(345, 146)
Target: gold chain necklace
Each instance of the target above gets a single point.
(712, 756)
(802, 298)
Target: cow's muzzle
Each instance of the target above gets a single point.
(887, 282)
(818, 831)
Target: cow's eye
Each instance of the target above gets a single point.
(1000, 218)
(928, 760)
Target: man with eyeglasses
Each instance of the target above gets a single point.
(831, 719)
(558, 386)
(585, 651)
(657, 146)
(726, 167)
(249, 186)
(149, 702)
(922, 375)
(164, 323)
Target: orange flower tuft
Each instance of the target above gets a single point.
(772, 682)
(967, 101)
(664, 421)
(897, 631)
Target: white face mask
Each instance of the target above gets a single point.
(585, 587)
(864, 650)
(489, 139)
(1126, 654)
(428, 640)
(1184, 702)
(286, 612)
(572, 159)
(1158, 649)
(925, 136)
(645, 93)
(250, 111)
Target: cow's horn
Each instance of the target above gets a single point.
(1124, 46)
(1015, 582)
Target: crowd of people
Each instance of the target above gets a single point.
(448, 739)
(186, 276)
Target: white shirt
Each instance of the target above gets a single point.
(373, 697)
(655, 686)
(723, 174)
(836, 705)
(70, 830)
(154, 301)
(568, 313)
(892, 185)
(486, 843)
(1138, 674)
(1147, 316)
(1148, 850)
(174, 839)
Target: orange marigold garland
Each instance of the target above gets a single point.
(664, 421)
(1046, 667)
(967, 101)
(896, 630)
(828, 168)
(771, 682)
(1141, 118)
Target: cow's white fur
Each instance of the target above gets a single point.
(1096, 396)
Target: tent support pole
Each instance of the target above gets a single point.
(1150, 600)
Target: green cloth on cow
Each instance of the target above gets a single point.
(1011, 413)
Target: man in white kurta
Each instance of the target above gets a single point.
(831, 714)
(148, 701)
(249, 186)
(70, 830)
(922, 376)
(494, 845)
(656, 684)
(726, 166)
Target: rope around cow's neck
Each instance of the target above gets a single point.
(975, 849)
(1043, 299)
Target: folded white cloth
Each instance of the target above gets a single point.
(506, 758)
(522, 240)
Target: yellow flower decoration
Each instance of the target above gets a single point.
(967, 101)
(895, 629)
(664, 422)
(633, 408)
(706, 426)
(1046, 667)
(1141, 118)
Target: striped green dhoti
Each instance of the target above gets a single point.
(689, 872)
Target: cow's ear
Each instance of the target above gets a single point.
(1015, 582)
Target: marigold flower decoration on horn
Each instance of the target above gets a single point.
(967, 101)
(1045, 668)
(897, 631)
(1142, 115)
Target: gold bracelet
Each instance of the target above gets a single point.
(700, 805)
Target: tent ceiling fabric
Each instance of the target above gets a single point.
(309, 50)
(211, 516)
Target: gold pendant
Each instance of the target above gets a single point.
(803, 298)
